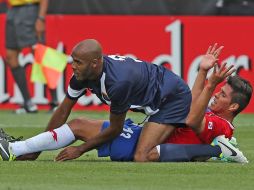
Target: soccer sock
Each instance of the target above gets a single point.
(186, 152)
(20, 78)
(50, 140)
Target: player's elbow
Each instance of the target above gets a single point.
(194, 123)
(190, 121)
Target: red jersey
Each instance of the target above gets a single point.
(214, 126)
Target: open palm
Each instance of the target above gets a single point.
(211, 57)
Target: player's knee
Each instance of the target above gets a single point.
(140, 156)
(75, 125)
(190, 122)
(153, 155)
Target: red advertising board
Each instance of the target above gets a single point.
(176, 42)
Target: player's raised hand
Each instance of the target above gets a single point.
(68, 153)
(211, 57)
(220, 74)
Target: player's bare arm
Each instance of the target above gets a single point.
(116, 126)
(196, 118)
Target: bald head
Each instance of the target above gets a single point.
(88, 49)
(87, 60)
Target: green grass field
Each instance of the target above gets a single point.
(90, 172)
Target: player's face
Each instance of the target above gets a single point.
(222, 99)
(81, 67)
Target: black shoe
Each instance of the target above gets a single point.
(5, 153)
(7, 137)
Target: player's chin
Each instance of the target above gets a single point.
(212, 108)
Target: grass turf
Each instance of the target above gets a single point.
(90, 172)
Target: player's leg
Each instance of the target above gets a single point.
(82, 129)
(183, 152)
(152, 135)
(222, 149)
(186, 152)
(172, 113)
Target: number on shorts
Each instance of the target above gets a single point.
(127, 132)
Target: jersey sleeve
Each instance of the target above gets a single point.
(75, 89)
(119, 95)
(215, 126)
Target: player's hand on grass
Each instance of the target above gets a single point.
(220, 74)
(69, 153)
(211, 57)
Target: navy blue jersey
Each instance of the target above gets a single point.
(129, 83)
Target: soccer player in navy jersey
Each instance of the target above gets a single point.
(124, 83)
(233, 98)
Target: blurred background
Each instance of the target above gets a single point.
(151, 7)
(173, 33)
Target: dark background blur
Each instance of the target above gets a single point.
(150, 7)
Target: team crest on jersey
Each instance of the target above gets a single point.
(210, 125)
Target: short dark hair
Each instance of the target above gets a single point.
(242, 92)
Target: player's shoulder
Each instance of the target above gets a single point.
(122, 63)
(75, 88)
(120, 69)
(212, 117)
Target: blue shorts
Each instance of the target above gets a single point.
(123, 147)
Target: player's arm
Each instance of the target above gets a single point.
(115, 128)
(207, 62)
(196, 115)
(61, 114)
(119, 96)
(75, 90)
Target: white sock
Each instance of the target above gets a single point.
(50, 140)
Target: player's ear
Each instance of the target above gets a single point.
(233, 107)
(94, 63)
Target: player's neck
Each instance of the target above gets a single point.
(98, 73)
(226, 115)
